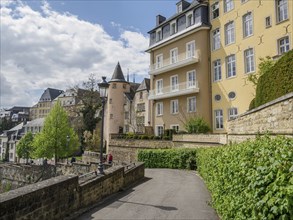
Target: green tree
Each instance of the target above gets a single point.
(24, 147)
(52, 141)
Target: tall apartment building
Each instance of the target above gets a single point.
(242, 32)
(179, 71)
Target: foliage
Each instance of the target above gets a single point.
(5, 124)
(251, 180)
(276, 80)
(24, 147)
(196, 125)
(92, 141)
(177, 158)
(52, 140)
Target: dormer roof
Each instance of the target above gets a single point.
(118, 75)
(50, 94)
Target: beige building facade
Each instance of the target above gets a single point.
(243, 31)
(179, 70)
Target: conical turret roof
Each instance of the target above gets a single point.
(117, 75)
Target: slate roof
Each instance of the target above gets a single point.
(145, 85)
(36, 122)
(50, 94)
(133, 88)
(118, 75)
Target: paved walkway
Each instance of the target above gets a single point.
(164, 194)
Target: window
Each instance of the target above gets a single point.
(126, 116)
(215, 10)
(249, 60)
(217, 70)
(231, 66)
(126, 128)
(231, 95)
(191, 78)
(173, 28)
(111, 116)
(114, 86)
(159, 35)
(179, 8)
(159, 61)
(189, 20)
(140, 120)
(174, 106)
(228, 5)
(247, 25)
(110, 101)
(219, 119)
(268, 21)
(173, 55)
(216, 39)
(141, 95)
(160, 130)
(174, 83)
(229, 33)
(159, 108)
(232, 113)
(190, 49)
(218, 97)
(140, 107)
(243, 1)
(283, 45)
(159, 86)
(282, 10)
(191, 103)
(175, 128)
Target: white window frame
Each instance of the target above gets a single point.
(249, 61)
(283, 47)
(231, 66)
(189, 21)
(191, 81)
(217, 68)
(281, 10)
(191, 104)
(159, 130)
(247, 22)
(159, 35)
(174, 106)
(190, 49)
(215, 7)
(173, 30)
(216, 39)
(219, 120)
(232, 113)
(230, 33)
(174, 127)
(174, 55)
(174, 83)
(159, 108)
(228, 5)
(159, 61)
(268, 21)
(159, 86)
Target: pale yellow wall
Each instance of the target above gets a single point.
(263, 41)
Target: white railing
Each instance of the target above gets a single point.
(166, 65)
(168, 91)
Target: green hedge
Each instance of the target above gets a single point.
(251, 180)
(177, 158)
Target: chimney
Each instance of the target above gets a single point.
(160, 19)
(127, 74)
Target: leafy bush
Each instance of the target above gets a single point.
(144, 137)
(180, 158)
(251, 180)
(275, 81)
(197, 125)
(157, 138)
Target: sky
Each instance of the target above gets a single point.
(58, 44)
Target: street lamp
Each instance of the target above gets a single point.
(67, 145)
(103, 89)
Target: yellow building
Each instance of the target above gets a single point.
(242, 32)
(179, 71)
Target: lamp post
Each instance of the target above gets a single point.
(103, 88)
(67, 146)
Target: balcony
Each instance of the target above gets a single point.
(168, 91)
(156, 69)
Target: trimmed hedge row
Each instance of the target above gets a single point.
(251, 180)
(180, 158)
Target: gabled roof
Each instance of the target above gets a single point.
(50, 94)
(36, 122)
(118, 74)
(133, 89)
(145, 85)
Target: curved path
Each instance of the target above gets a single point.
(164, 194)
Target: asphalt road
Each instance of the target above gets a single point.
(164, 194)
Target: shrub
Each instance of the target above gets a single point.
(251, 180)
(166, 138)
(197, 125)
(144, 137)
(179, 158)
(252, 104)
(157, 138)
(276, 81)
(151, 137)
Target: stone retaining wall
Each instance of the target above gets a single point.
(210, 139)
(61, 196)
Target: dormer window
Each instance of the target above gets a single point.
(173, 28)
(179, 8)
(159, 35)
(189, 19)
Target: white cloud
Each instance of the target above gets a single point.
(41, 49)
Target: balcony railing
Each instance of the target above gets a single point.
(169, 91)
(156, 69)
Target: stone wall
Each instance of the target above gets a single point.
(126, 150)
(200, 139)
(61, 196)
(275, 117)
